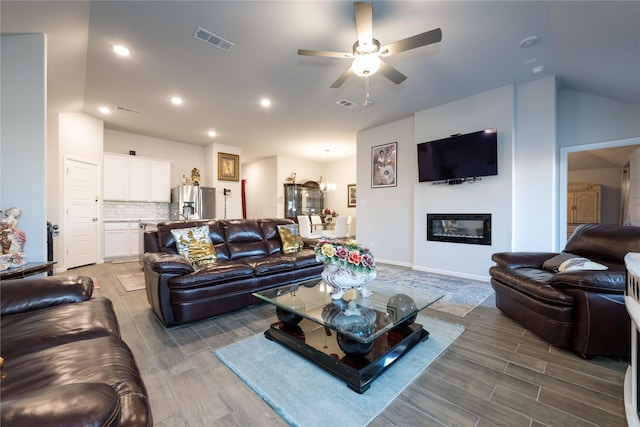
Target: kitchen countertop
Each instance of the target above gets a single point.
(144, 221)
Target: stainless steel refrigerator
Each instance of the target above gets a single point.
(193, 202)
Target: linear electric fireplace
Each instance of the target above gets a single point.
(474, 229)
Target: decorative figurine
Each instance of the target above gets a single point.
(195, 176)
(12, 240)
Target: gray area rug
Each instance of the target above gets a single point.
(131, 282)
(305, 395)
(460, 295)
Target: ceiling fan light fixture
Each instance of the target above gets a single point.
(366, 65)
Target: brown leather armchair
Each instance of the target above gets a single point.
(64, 361)
(582, 310)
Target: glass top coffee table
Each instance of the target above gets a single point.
(354, 338)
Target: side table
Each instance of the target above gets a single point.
(28, 269)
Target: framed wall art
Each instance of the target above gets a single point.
(228, 167)
(383, 165)
(351, 196)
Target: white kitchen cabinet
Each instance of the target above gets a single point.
(136, 179)
(121, 239)
(116, 240)
(160, 181)
(115, 177)
(139, 179)
(134, 239)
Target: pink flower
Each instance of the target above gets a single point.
(368, 261)
(354, 258)
(342, 253)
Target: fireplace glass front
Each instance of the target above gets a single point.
(459, 228)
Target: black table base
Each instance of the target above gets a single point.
(319, 345)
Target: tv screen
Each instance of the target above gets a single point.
(458, 157)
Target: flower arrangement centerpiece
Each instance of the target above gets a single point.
(327, 215)
(347, 265)
(195, 176)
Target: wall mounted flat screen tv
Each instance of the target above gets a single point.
(458, 157)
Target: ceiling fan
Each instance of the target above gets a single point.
(367, 51)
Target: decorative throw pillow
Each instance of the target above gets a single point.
(291, 238)
(575, 264)
(553, 264)
(195, 245)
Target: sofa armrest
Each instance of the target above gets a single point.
(611, 281)
(20, 295)
(162, 262)
(513, 260)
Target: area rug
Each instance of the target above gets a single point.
(460, 295)
(131, 282)
(305, 395)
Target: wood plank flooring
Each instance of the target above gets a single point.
(495, 374)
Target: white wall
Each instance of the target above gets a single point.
(385, 216)
(585, 118)
(23, 136)
(392, 221)
(230, 206)
(492, 194)
(341, 173)
(262, 188)
(535, 212)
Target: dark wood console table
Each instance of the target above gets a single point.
(28, 269)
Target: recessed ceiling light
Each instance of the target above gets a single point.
(121, 50)
(529, 41)
(212, 133)
(265, 102)
(104, 110)
(176, 100)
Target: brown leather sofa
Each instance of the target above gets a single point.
(250, 259)
(64, 361)
(581, 310)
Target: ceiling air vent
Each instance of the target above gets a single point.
(127, 109)
(212, 39)
(346, 104)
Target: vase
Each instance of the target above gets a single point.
(341, 279)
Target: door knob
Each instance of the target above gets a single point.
(94, 219)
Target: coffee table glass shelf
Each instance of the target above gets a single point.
(353, 338)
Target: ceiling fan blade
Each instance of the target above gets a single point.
(364, 22)
(342, 78)
(391, 73)
(325, 53)
(419, 40)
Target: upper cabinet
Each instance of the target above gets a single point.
(136, 179)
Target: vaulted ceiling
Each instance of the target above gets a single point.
(590, 46)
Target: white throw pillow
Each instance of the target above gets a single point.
(575, 264)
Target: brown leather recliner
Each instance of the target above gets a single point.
(64, 361)
(582, 310)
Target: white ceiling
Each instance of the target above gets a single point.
(591, 46)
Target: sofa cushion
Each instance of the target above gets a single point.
(195, 245)
(31, 331)
(269, 265)
(534, 282)
(244, 238)
(291, 238)
(211, 274)
(105, 360)
(78, 404)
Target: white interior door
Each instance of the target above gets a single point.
(634, 188)
(80, 213)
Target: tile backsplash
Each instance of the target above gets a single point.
(135, 210)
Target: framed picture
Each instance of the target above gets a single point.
(351, 196)
(228, 167)
(383, 165)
